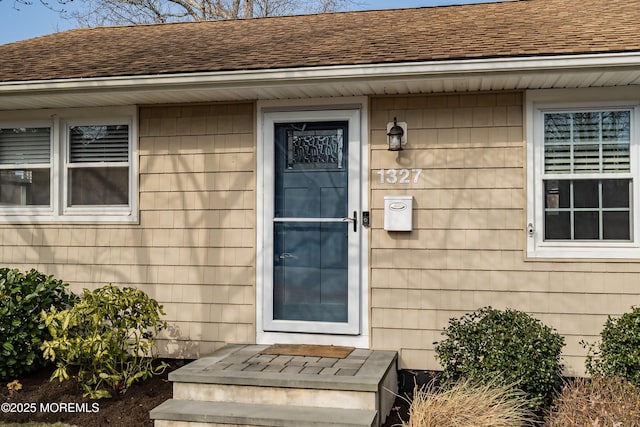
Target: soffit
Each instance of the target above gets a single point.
(167, 92)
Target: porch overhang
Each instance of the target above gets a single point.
(520, 73)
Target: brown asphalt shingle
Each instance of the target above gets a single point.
(507, 29)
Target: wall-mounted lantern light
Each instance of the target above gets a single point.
(397, 135)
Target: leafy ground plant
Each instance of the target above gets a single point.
(108, 337)
(600, 401)
(509, 346)
(22, 297)
(469, 404)
(618, 353)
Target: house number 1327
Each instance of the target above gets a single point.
(399, 176)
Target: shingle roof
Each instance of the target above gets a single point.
(506, 29)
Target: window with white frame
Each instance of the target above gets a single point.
(98, 165)
(25, 166)
(587, 176)
(582, 202)
(69, 169)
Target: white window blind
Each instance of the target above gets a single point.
(587, 142)
(25, 146)
(104, 143)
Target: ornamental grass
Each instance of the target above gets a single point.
(469, 404)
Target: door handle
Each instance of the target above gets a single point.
(354, 220)
(286, 255)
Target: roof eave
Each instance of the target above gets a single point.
(368, 79)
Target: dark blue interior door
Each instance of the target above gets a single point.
(311, 227)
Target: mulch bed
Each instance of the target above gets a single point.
(398, 414)
(53, 401)
(407, 381)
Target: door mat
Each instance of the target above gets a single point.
(336, 352)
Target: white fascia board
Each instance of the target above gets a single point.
(311, 75)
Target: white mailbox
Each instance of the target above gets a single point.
(398, 212)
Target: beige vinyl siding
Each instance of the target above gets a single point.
(194, 246)
(467, 249)
(197, 198)
(193, 249)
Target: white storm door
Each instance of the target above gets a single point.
(312, 223)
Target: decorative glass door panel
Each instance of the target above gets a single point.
(311, 222)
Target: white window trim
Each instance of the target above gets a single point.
(59, 121)
(537, 103)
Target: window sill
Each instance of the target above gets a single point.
(127, 217)
(612, 251)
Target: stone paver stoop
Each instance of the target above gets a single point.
(240, 386)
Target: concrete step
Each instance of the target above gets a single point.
(240, 374)
(188, 413)
(261, 395)
(245, 385)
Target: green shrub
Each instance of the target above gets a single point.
(108, 336)
(508, 346)
(22, 297)
(619, 351)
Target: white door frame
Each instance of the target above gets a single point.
(356, 331)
